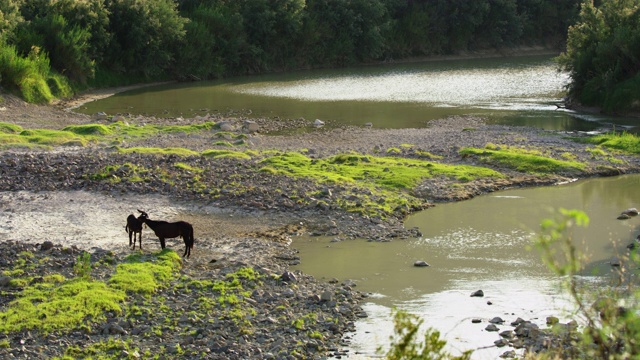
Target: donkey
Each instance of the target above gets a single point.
(166, 230)
(133, 227)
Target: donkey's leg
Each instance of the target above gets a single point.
(162, 244)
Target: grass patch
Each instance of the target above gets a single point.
(528, 161)
(51, 306)
(158, 151)
(374, 186)
(626, 142)
(386, 172)
(7, 128)
(146, 277)
(226, 154)
(89, 129)
(56, 303)
(39, 137)
(188, 167)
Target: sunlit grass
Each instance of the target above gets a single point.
(624, 141)
(226, 154)
(528, 161)
(385, 172)
(57, 303)
(158, 151)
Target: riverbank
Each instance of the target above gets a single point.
(244, 216)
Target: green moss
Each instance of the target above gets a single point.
(158, 151)
(625, 141)
(372, 185)
(187, 167)
(57, 304)
(227, 154)
(185, 128)
(49, 307)
(41, 137)
(386, 172)
(528, 161)
(7, 128)
(146, 275)
(89, 129)
(111, 348)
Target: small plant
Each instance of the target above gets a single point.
(612, 326)
(82, 267)
(406, 345)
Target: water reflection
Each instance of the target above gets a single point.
(513, 91)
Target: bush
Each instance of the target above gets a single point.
(25, 76)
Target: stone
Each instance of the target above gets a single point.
(615, 261)
(100, 116)
(226, 126)
(630, 212)
(288, 276)
(47, 245)
(250, 126)
(508, 354)
(496, 320)
(552, 320)
(326, 296)
(318, 123)
(501, 343)
(4, 281)
(492, 327)
(420, 263)
(478, 293)
(476, 321)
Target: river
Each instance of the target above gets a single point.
(513, 91)
(479, 244)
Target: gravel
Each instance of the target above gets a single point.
(253, 228)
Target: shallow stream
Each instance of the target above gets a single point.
(481, 244)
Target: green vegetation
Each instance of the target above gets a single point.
(105, 350)
(384, 172)
(602, 56)
(626, 142)
(58, 304)
(379, 185)
(612, 326)
(405, 343)
(226, 154)
(529, 161)
(158, 151)
(146, 277)
(81, 135)
(50, 47)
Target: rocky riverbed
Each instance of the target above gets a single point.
(50, 207)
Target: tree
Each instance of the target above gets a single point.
(146, 35)
(602, 56)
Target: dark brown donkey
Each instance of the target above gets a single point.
(166, 230)
(133, 227)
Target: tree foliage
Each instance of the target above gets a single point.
(93, 41)
(603, 55)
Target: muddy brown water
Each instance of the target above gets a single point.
(483, 243)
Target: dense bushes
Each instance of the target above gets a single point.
(109, 42)
(602, 56)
